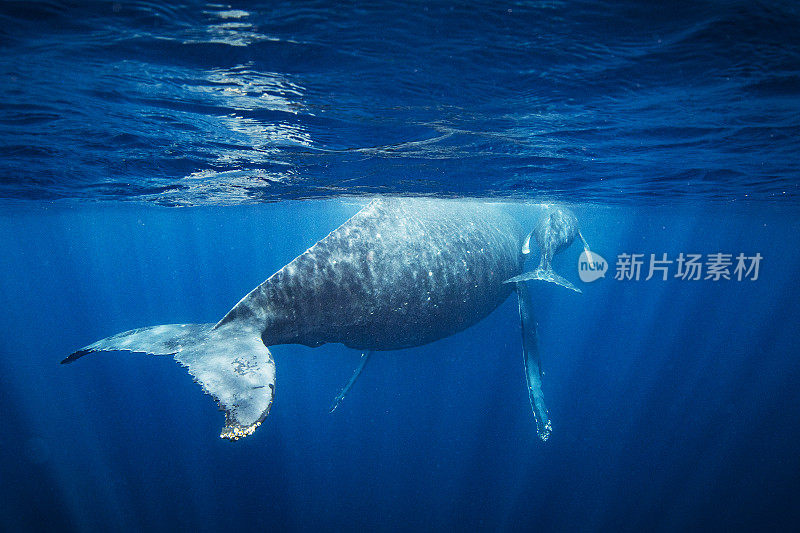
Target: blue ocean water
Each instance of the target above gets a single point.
(157, 162)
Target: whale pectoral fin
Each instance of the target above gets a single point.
(544, 275)
(230, 364)
(526, 246)
(533, 370)
(585, 244)
(361, 364)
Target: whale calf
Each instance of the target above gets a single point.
(400, 273)
(555, 230)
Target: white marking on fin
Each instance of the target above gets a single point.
(526, 246)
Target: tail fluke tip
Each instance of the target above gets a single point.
(75, 355)
(233, 431)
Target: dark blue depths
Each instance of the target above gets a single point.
(674, 403)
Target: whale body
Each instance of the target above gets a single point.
(400, 273)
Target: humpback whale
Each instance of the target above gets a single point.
(402, 272)
(554, 232)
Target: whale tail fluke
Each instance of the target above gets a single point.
(544, 274)
(229, 363)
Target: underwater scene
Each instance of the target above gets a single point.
(399, 266)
